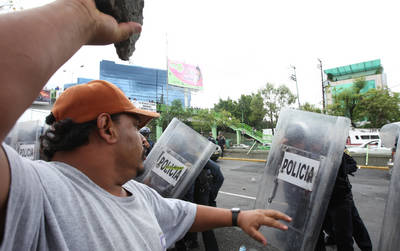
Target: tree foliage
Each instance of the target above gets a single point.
(247, 109)
(257, 112)
(379, 107)
(274, 100)
(310, 108)
(209, 118)
(345, 103)
(373, 108)
(239, 109)
(175, 110)
(227, 105)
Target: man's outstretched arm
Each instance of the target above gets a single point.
(33, 45)
(249, 220)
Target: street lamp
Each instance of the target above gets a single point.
(72, 73)
(294, 78)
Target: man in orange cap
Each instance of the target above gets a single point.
(84, 198)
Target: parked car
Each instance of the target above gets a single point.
(357, 137)
(240, 146)
(217, 153)
(374, 147)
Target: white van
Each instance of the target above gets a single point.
(360, 136)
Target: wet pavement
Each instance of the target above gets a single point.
(370, 188)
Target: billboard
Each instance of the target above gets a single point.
(184, 75)
(43, 98)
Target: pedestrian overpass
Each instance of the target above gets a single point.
(258, 136)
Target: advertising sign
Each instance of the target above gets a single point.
(44, 97)
(148, 106)
(184, 75)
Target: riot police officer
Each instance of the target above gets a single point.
(145, 131)
(342, 221)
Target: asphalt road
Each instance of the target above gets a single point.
(370, 188)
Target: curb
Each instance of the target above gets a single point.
(374, 167)
(263, 160)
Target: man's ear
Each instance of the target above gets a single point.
(106, 128)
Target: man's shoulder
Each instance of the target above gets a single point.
(134, 186)
(15, 160)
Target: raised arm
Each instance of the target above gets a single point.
(249, 220)
(33, 45)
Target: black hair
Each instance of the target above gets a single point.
(66, 135)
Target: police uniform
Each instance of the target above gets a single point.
(203, 192)
(342, 219)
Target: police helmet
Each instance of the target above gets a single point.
(145, 131)
(296, 133)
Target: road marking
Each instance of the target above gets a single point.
(238, 195)
(243, 159)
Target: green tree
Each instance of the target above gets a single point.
(274, 100)
(257, 111)
(310, 108)
(227, 105)
(249, 109)
(243, 109)
(209, 118)
(379, 107)
(175, 110)
(345, 103)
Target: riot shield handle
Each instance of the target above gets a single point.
(273, 191)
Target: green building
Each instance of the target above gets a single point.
(343, 77)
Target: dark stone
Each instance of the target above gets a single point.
(124, 11)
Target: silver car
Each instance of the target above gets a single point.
(372, 147)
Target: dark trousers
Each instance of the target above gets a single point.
(343, 222)
(204, 194)
(202, 197)
(222, 150)
(360, 232)
(217, 181)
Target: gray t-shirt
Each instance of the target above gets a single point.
(53, 206)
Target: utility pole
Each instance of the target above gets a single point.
(294, 78)
(166, 54)
(322, 84)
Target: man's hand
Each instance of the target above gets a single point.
(251, 221)
(105, 29)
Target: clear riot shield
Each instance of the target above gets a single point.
(24, 138)
(389, 239)
(176, 160)
(300, 174)
(389, 134)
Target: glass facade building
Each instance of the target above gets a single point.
(140, 83)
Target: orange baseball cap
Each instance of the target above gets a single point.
(84, 102)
